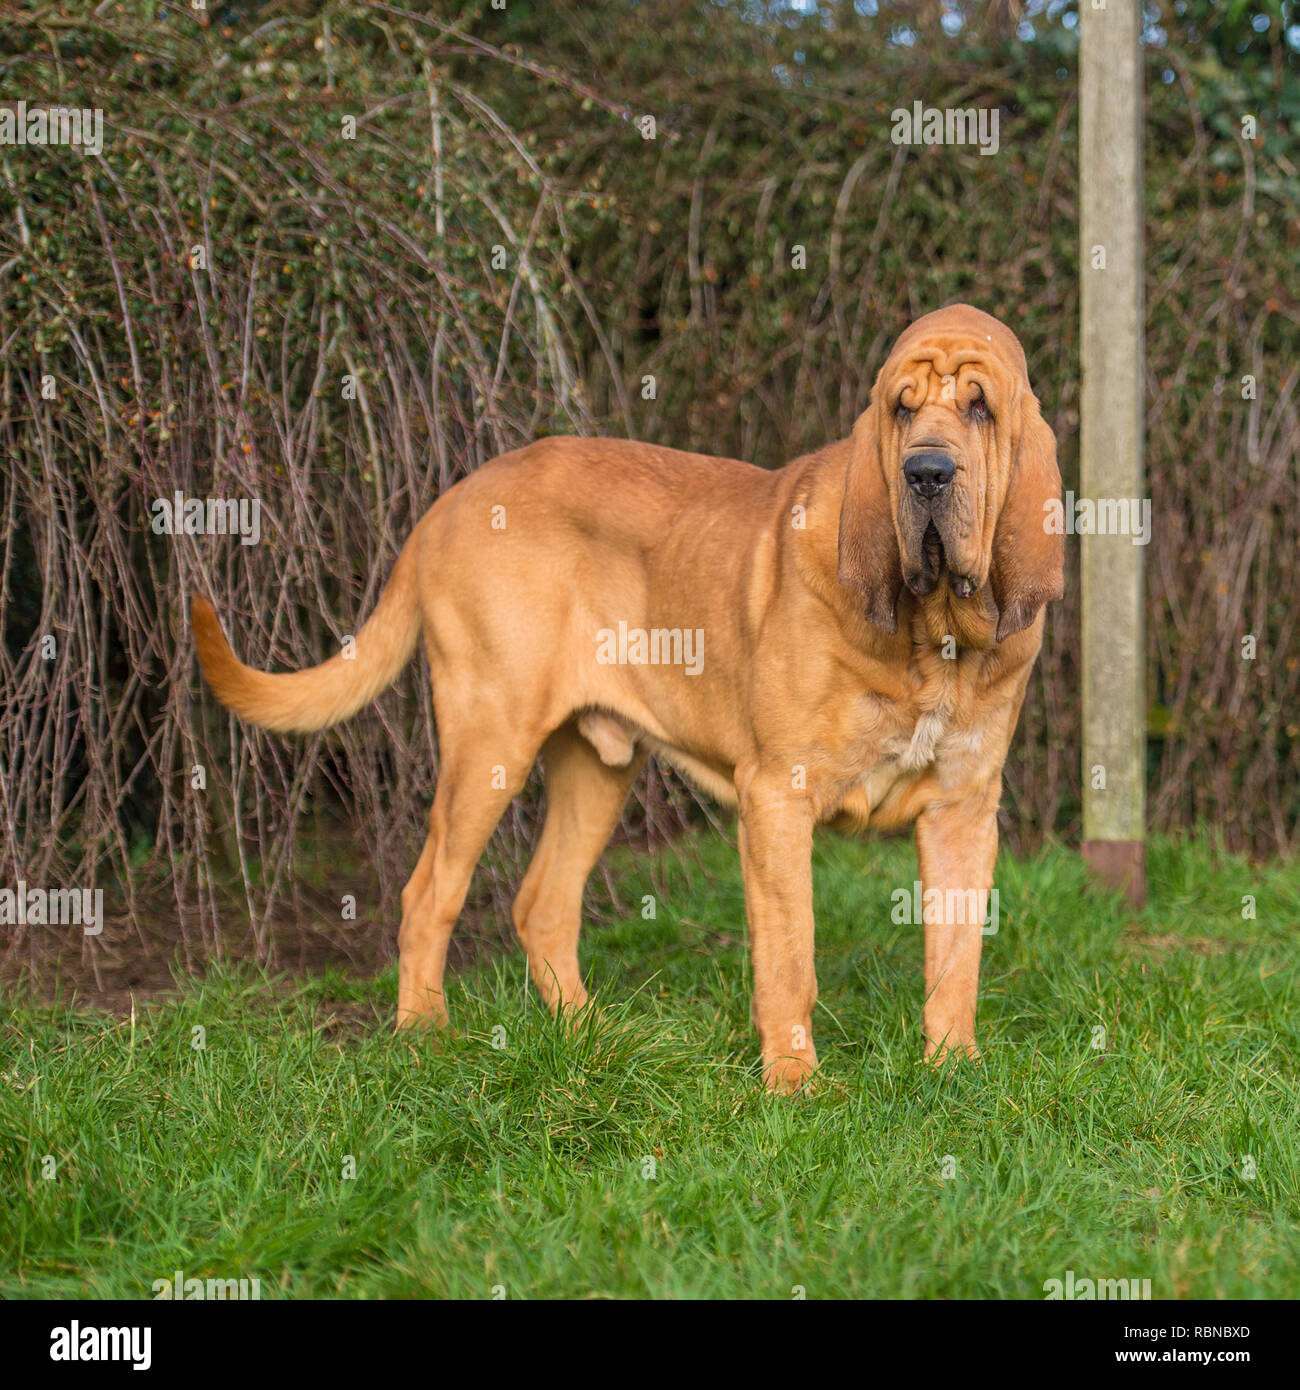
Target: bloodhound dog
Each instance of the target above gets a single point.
(845, 641)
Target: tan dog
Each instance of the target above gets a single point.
(846, 640)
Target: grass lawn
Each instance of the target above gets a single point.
(1136, 1115)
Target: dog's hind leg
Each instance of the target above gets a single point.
(476, 782)
(584, 797)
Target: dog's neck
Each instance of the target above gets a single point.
(969, 624)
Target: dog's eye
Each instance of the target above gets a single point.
(979, 409)
(901, 413)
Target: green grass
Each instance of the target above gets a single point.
(526, 1165)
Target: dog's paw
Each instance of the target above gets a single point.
(423, 1018)
(954, 1050)
(790, 1075)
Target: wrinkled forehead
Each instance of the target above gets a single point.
(951, 338)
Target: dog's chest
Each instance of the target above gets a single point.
(901, 742)
(900, 757)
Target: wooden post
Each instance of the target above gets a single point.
(1111, 356)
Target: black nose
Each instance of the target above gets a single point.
(929, 474)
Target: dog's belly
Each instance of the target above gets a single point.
(615, 738)
(709, 780)
(905, 769)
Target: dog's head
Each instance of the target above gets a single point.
(950, 470)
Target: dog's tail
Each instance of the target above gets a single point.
(303, 701)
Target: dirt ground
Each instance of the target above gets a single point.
(140, 956)
(138, 959)
(127, 964)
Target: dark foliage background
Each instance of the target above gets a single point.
(624, 258)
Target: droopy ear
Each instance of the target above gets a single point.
(1028, 560)
(868, 551)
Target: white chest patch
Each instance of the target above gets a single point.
(903, 758)
(925, 739)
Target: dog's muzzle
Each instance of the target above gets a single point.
(931, 509)
(929, 474)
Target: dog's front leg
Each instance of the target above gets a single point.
(776, 828)
(956, 844)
